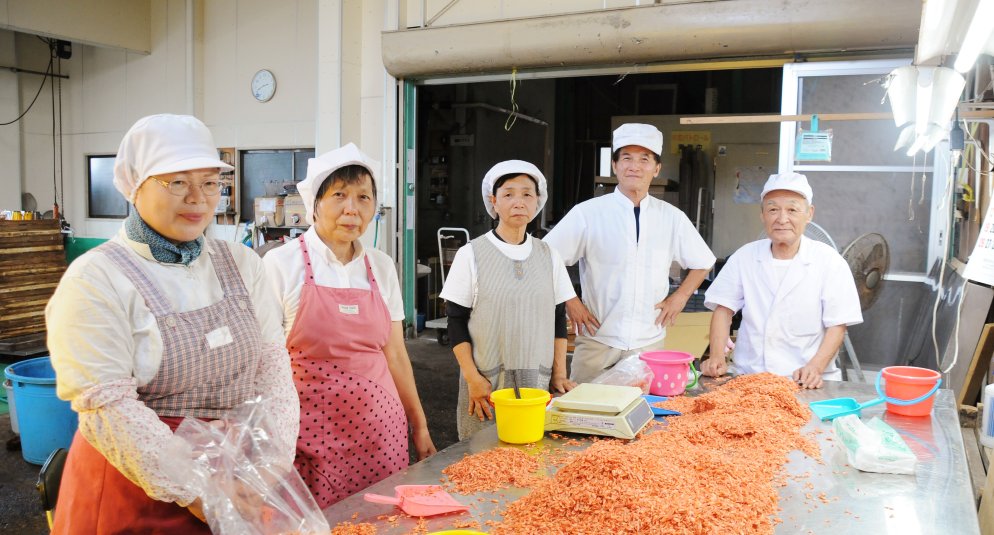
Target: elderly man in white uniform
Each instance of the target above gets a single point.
(797, 295)
(624, 272)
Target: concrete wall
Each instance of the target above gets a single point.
(113, 23)
(201, 62)
(10, 136)
(419, 12)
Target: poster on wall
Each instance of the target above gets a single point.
(980, 266)
(749, 183)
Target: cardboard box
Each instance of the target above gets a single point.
(269, 211)
(294, 214)
(691, 333)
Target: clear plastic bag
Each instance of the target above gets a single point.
(240, 471)
(873, 446)
(629, 371)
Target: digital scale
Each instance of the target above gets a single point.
(596, 409)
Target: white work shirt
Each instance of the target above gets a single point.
(783, 323)
(461, 282)
(285, 269)
(623, 279)
(102, 296)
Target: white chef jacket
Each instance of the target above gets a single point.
(285, 270)
(784, 323)
(623, 279)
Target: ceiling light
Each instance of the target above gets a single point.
(977, 36)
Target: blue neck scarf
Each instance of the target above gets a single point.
(162, 249)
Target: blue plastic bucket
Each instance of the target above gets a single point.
(46, 422)
(9, 392)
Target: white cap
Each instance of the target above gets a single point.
(320, 168)
(160, 144)
(517, 167)
(795, 182)
(643, 135)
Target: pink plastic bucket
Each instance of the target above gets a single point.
(910, 384)
(673, 372)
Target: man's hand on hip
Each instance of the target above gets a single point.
(581, 317)
(669, 308)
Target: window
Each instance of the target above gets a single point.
(103, 199)
(264, 172)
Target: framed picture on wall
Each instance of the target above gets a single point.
(103, 201)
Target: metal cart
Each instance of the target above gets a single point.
(450, 239)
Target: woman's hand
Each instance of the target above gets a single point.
(422, 443)
(197, 509)
(479, 397)
(561, 384)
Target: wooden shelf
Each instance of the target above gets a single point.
(32, 261)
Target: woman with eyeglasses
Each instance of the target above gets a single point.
(157, 324)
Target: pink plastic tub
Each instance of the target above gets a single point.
(673, 372)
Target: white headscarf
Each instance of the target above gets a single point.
(516, 167)
(321, 167)
(160, 144)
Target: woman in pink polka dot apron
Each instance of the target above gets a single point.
(353, 375)
(353, 430)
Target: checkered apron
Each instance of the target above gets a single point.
(193, 380)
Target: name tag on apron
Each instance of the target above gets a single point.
(219, 337)
(349, 309)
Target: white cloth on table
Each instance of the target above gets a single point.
(105, 343)
(285, 270)
(623, 279)
(461, 284)
(783, 323)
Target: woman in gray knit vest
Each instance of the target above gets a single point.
(505, 293)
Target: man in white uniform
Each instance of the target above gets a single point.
(625, 242)
(797, 295)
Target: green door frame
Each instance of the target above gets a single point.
(408, 260)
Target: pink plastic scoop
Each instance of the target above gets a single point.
(420, 500)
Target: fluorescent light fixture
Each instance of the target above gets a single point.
(936, 25)
(981, 25)
(901, 91)
(923, 100)
(906, 137)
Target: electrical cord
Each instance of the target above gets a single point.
(47, 72)
(55, 154)
(961, 293)
(60, 198)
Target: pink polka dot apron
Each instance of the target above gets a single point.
(353, 429)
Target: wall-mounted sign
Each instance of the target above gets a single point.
(686, 137)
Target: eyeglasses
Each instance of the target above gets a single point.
(181, 188)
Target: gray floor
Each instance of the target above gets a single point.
(435, 372)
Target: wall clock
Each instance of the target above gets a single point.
(263, 85)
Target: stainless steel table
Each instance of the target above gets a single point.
(938, 499)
